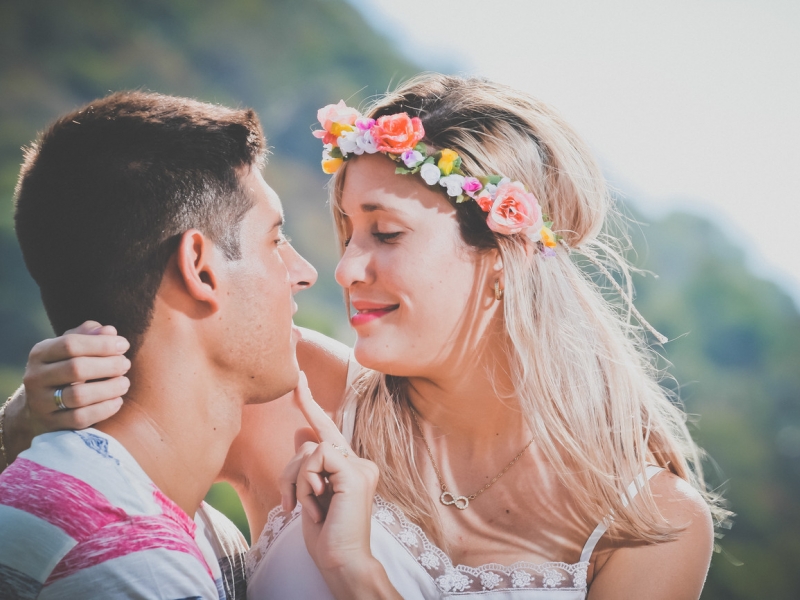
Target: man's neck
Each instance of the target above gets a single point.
(178, 423)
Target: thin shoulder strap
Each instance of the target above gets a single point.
(633, 489)
(349, 407)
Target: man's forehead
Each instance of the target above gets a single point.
(267, 200)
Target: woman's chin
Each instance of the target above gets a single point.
(384, 358)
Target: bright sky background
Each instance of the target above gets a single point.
(691, 104)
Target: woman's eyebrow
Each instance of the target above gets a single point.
(371, 207)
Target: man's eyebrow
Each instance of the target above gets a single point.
(278, 223)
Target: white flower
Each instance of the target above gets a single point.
(520, 579)
(276, 525)
(491, 189)
(429, 560)
(385, 516)
(534, 233)
(579, 579)
(348, 142)
(367, 143)
(411, 158)
(407, 537)
(490, 580)
(453, 184)
(430, 173)
(506, 180)
(552, 578)
(453, 581)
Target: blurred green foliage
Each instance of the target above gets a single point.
(735, 352)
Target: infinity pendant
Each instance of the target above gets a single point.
(448, 498)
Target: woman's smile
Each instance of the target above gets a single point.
(367, 312)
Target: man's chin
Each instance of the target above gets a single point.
(278, 387)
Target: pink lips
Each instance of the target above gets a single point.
(370, 311)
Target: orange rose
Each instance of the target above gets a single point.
(397, 133)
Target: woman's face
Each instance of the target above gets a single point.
(421, 298)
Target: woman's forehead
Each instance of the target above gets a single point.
(372, 186)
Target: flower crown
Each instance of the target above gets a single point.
(510, 206)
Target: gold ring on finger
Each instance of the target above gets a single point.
(58, 400)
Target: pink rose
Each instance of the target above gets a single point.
(471, 185)
(514, 210)
(332, 118)
(397, 133)
(364, 124)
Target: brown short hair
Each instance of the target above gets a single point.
(106, 191)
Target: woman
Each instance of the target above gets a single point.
(513, 413)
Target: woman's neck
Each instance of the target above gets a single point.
(472, 404)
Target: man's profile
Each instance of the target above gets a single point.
(149, 212)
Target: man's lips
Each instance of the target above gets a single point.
(369, 311)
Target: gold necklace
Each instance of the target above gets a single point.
(448, 498)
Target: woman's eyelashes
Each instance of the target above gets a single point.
(387, 237)
(383, 237)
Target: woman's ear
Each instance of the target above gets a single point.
(498, 272)
(196, 268)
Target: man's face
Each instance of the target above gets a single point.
(256, 333)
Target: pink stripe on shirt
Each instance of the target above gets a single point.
(60, 499)
(136, 534)
(174, 512)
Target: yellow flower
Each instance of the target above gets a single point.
(338, 129)
(331, 165)
(548, 237)
(445, 163)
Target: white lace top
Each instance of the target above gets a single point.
(279, 566)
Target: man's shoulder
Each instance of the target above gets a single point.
(229, 547)
(73, 507)
(70, 473)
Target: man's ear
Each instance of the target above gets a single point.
(195, 261)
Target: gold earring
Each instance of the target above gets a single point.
(498, 293)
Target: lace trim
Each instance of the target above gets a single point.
(448, 578)
(489, 577)
(277, 520)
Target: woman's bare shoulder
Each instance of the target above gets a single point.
(325, 363)
(670, 570)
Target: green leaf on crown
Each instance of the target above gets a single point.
(336, 152)
(401, 171)
(422, 149)
(493, 179)
(461, 198)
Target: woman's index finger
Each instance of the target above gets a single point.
(324, 427)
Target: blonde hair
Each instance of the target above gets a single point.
(584, 375)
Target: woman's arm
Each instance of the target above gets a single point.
(336, 489)
(89, 363)
(673, 570)
(266, 442)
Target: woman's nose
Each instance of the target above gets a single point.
(353, 267)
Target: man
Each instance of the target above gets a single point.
(149, 212)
